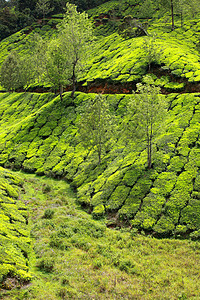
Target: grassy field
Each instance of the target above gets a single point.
(77, 257)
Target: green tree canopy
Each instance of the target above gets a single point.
(146, 111)
(57, 65)
(10, 75)
(96, 125)
(76, 35)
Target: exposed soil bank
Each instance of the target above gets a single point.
(107, 86)
(120, 88)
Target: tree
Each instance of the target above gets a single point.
(131, 27)
(168, 5)
(57, 65)
(38, 52)
(96, 124)
(8, 21)
(10, 76)
(43, 7)
(146, 111)
(26, 71)
(23, 4)
(151, 51)
(76, 34)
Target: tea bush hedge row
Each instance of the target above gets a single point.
(44, 138)
(15, 242)
(114, 59)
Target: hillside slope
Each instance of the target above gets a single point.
(87, 231)
(42, 137)
(15, 242)
(77, 257)
(116, 64)
(39, 134)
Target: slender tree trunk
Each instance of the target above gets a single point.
(61, 92)
(149, 153)
(74, 79)
(149, 66)
(149, 146)
(172, 13)
(181, 19)
(99, 136)
(99, 154)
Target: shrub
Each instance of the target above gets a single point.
(98, 211)
(67, 293)
(48, 214)
(126, 265)
(56, 242)
(46, 264)
(46, 188)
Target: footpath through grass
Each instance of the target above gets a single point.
(77, 257)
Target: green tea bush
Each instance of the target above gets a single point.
(195, 235)
(98, 211)
(15, 248)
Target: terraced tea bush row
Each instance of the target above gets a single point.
(46, 141)
(114, 59)
(15, 241)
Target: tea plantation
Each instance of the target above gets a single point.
(115, 60)
(39, 134)
(77, 257)
(15, 241)
(72, 227)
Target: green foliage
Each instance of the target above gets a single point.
(40, 134)
(10, 72)
(159, 199)
(73, 243)
(117, 198)
(48, 214)
(57, 64)
(15, 248)
(76, 35)
(131, 27)
(145, 113)
(43, 8)
(96, 125)
(152, 53)
(98, 211)
(46, 264)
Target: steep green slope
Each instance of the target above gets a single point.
(39, 133)
(164, 200)
(115, 60)
(15, 248)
